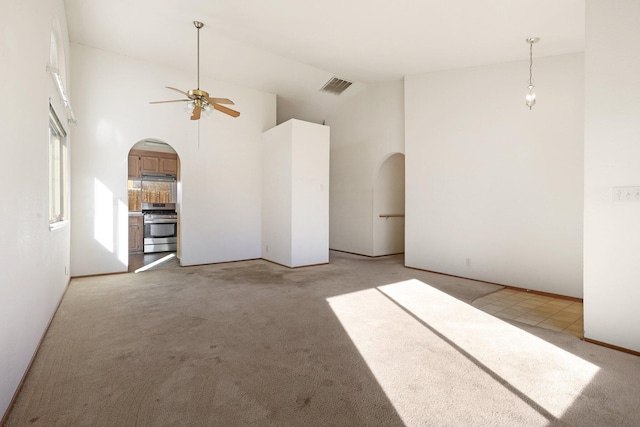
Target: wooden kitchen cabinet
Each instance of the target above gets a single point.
(134, 167)
(168, 165)
(136, 233)
(152, 162)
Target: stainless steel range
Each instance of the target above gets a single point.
(160, 227)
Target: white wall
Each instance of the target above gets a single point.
(220, 160)
(276, 193)
(364, 131)
(295, 187)
(490, 181)
(34, 261)
(310, 194)
(612, 158)
(388, 198)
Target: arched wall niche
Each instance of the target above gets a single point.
(57, 67)
(57, 56)
(389, 206)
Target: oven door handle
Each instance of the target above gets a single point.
(161, 221)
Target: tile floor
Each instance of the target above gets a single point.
(546, 312)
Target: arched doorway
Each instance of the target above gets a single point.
(388, 207)
(153, 199)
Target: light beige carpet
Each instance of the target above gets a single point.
(358, 342)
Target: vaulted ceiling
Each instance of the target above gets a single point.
(292, 47)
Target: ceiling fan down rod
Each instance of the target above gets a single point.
(198, 25)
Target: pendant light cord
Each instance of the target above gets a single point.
(198, 58)
(530, 64)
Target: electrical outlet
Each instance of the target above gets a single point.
(626, 194)
(467, 262)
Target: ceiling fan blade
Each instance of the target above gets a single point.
(179, 91)
(220, 101)
(229, 111)
(196, 112)
(175, 100)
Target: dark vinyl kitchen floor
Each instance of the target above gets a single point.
(166, 260)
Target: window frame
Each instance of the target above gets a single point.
(58, 173)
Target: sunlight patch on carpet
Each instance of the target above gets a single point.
(156, 262)
(421, 344)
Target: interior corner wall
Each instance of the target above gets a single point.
(612, 153)
(34, 260)
(220, 161)
(364, 131)
(494, 191)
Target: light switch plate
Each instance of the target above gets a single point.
(626, 194)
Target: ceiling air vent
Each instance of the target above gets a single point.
(336, 86)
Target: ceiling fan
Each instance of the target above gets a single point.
(199, 100)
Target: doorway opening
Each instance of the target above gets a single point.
(388, 207)
(153, 199)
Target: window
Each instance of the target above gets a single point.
(57, 169)
(150, 190)
(134, 188)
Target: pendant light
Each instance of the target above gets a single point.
(530, 99)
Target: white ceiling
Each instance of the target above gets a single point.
(292, 47)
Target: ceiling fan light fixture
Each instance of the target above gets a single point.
(197, 100)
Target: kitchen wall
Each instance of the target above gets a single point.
(612, 159)
(220, 160)
(34, 260)
(494, 191)
(364, 132)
